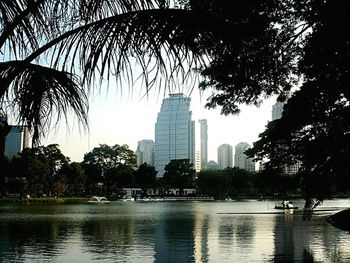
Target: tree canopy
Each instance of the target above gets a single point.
(245, 51)
(179, 174)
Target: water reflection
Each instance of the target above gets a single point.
(175, 242)
(189, 232)
(307, 241)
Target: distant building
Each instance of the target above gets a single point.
(241, 159)
(16, 141)
(277, 110)
(145, 152)
(225, 156)
(212, 165)
(203, 142)
(197, 164)
(174, 132)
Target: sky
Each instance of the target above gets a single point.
(127, 117)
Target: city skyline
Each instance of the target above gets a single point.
(131, 118)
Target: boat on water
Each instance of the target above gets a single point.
(98, 199)
(126, 199)
(286, 205)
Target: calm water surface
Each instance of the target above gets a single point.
(238, 231)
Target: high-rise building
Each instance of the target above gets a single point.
(16, 140)
(203, 143)
(174, 132)
(145, 152)
(224, 156)
(197, 164)
(212, 165)
(241, 159)
(277, 110)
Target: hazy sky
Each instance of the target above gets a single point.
(125, 118)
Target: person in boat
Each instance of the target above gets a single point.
(287, 204)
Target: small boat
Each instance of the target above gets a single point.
(286, 205)
(98, 199)
(128, 199)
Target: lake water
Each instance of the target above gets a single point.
(237, 231)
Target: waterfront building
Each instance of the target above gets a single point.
(241, 159)
(174, 132)
(203, 142)
(145, 152)
(16, 140)
(224, 156)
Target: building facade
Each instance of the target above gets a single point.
(277, 110)
(16, 141)
(174, 132)
(145, 152)
(224, 156)
(241, 159)
(203, 143)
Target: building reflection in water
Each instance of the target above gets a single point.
(186, 232)
(174, 238)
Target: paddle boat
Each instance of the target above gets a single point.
(286, 205)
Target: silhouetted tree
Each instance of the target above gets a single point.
(179, 174)
(111, 166)
(245, 51)
(214, 183)
(145, 177)
(73, 176)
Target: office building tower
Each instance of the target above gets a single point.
(174, 132)
(16, 140)
(145, 152)
(224, 156)
(241, 159)
(277, 110)
(203, 143)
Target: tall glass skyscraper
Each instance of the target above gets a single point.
(16, 140)
(174, 132)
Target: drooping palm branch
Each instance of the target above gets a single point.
(40, 93)
(100, 38)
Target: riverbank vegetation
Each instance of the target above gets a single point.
(46, 175)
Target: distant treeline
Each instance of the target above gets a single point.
(45, 171)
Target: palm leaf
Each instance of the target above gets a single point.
(40, 93)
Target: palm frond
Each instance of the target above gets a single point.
(40, 93)
(162, 41)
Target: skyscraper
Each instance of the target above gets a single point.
(16, 140)
(241, 159)
(277, 110)
(224, 156)
(145, 152)
(174, 132)
(204, 142)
